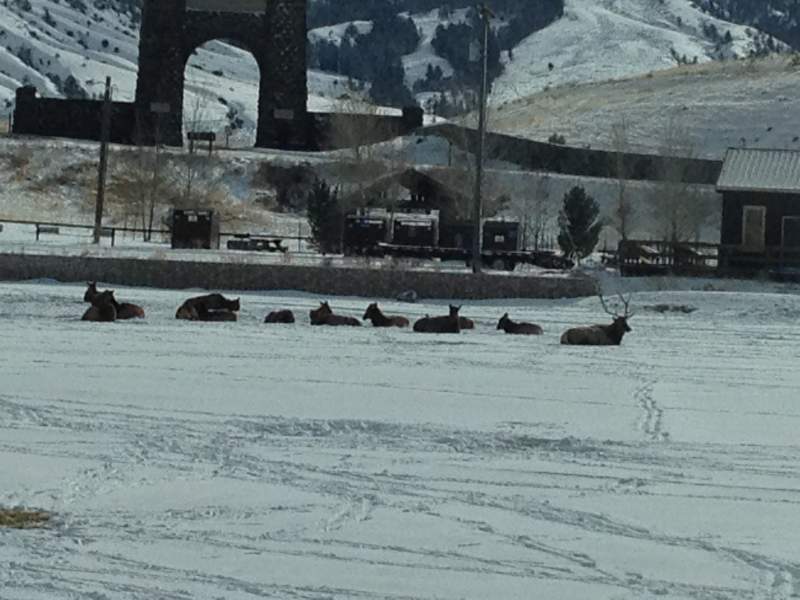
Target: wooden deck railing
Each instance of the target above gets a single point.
(658, 257)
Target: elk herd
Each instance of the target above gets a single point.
(215, 307)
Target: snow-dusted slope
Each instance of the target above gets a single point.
(598, 40)
(47, 44)
(736, 103)
(595, 40)
(52, 41)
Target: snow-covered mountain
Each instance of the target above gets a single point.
(66, 48)
(753, 103)
(597, 40)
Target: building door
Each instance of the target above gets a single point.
(753, 228)
(790, 236)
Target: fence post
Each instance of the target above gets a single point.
(37, 232)
(113, 235)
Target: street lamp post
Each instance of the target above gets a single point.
(477, 214)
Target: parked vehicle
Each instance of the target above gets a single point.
(420, 234)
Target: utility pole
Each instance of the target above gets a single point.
(477, 214)
(105, 133)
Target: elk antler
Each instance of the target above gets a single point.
(605, 308)
(626, 303)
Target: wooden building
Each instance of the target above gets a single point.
(761, 210)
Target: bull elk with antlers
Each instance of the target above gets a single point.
(601, 335)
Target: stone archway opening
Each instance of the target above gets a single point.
(221, 92)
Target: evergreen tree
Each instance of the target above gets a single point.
(325, 218)
(579, 224)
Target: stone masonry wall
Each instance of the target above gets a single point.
(372, 283)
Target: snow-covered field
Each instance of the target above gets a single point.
(237, 461)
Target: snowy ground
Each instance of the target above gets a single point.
(237, 461)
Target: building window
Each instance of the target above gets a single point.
(790, 232)
(753, 227)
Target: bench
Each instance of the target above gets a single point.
(51, 229)
(257, 244)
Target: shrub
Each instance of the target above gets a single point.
(18, 518)
(325, 218)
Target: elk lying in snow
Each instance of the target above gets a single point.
(601, 335)
(212, 307)
(280, 316)
(125, 310)
(374, 314)
(324, 316)
(103, 308)
(447, 324)
(509, 326)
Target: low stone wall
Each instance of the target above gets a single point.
(334, 281)
(309, 131)
(75, 119)
(533, 155)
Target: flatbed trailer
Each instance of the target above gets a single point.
(495, 259)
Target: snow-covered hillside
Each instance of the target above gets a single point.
(598, 40)
(64, 51)
(69, 48)
(753, 103)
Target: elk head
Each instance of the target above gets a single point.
(620, 320)
(371, 311)
(91, 291)
(503, 320)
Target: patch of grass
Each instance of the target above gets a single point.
(20, 518)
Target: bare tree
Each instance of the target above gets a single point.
(137, 181)
(675, 209)
(623, 215)
(195, 163)
(535, 212)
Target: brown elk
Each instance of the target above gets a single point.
(102, 309)
(509, 326)
(212, 307)
(125, 310)
(324, 316)
(601, 335)
(446, 324)
(374, 314)
(280, 316)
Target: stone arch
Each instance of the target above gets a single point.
(274, 31)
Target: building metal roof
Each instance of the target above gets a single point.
(760, 170)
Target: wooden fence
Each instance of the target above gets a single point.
(657, 257)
